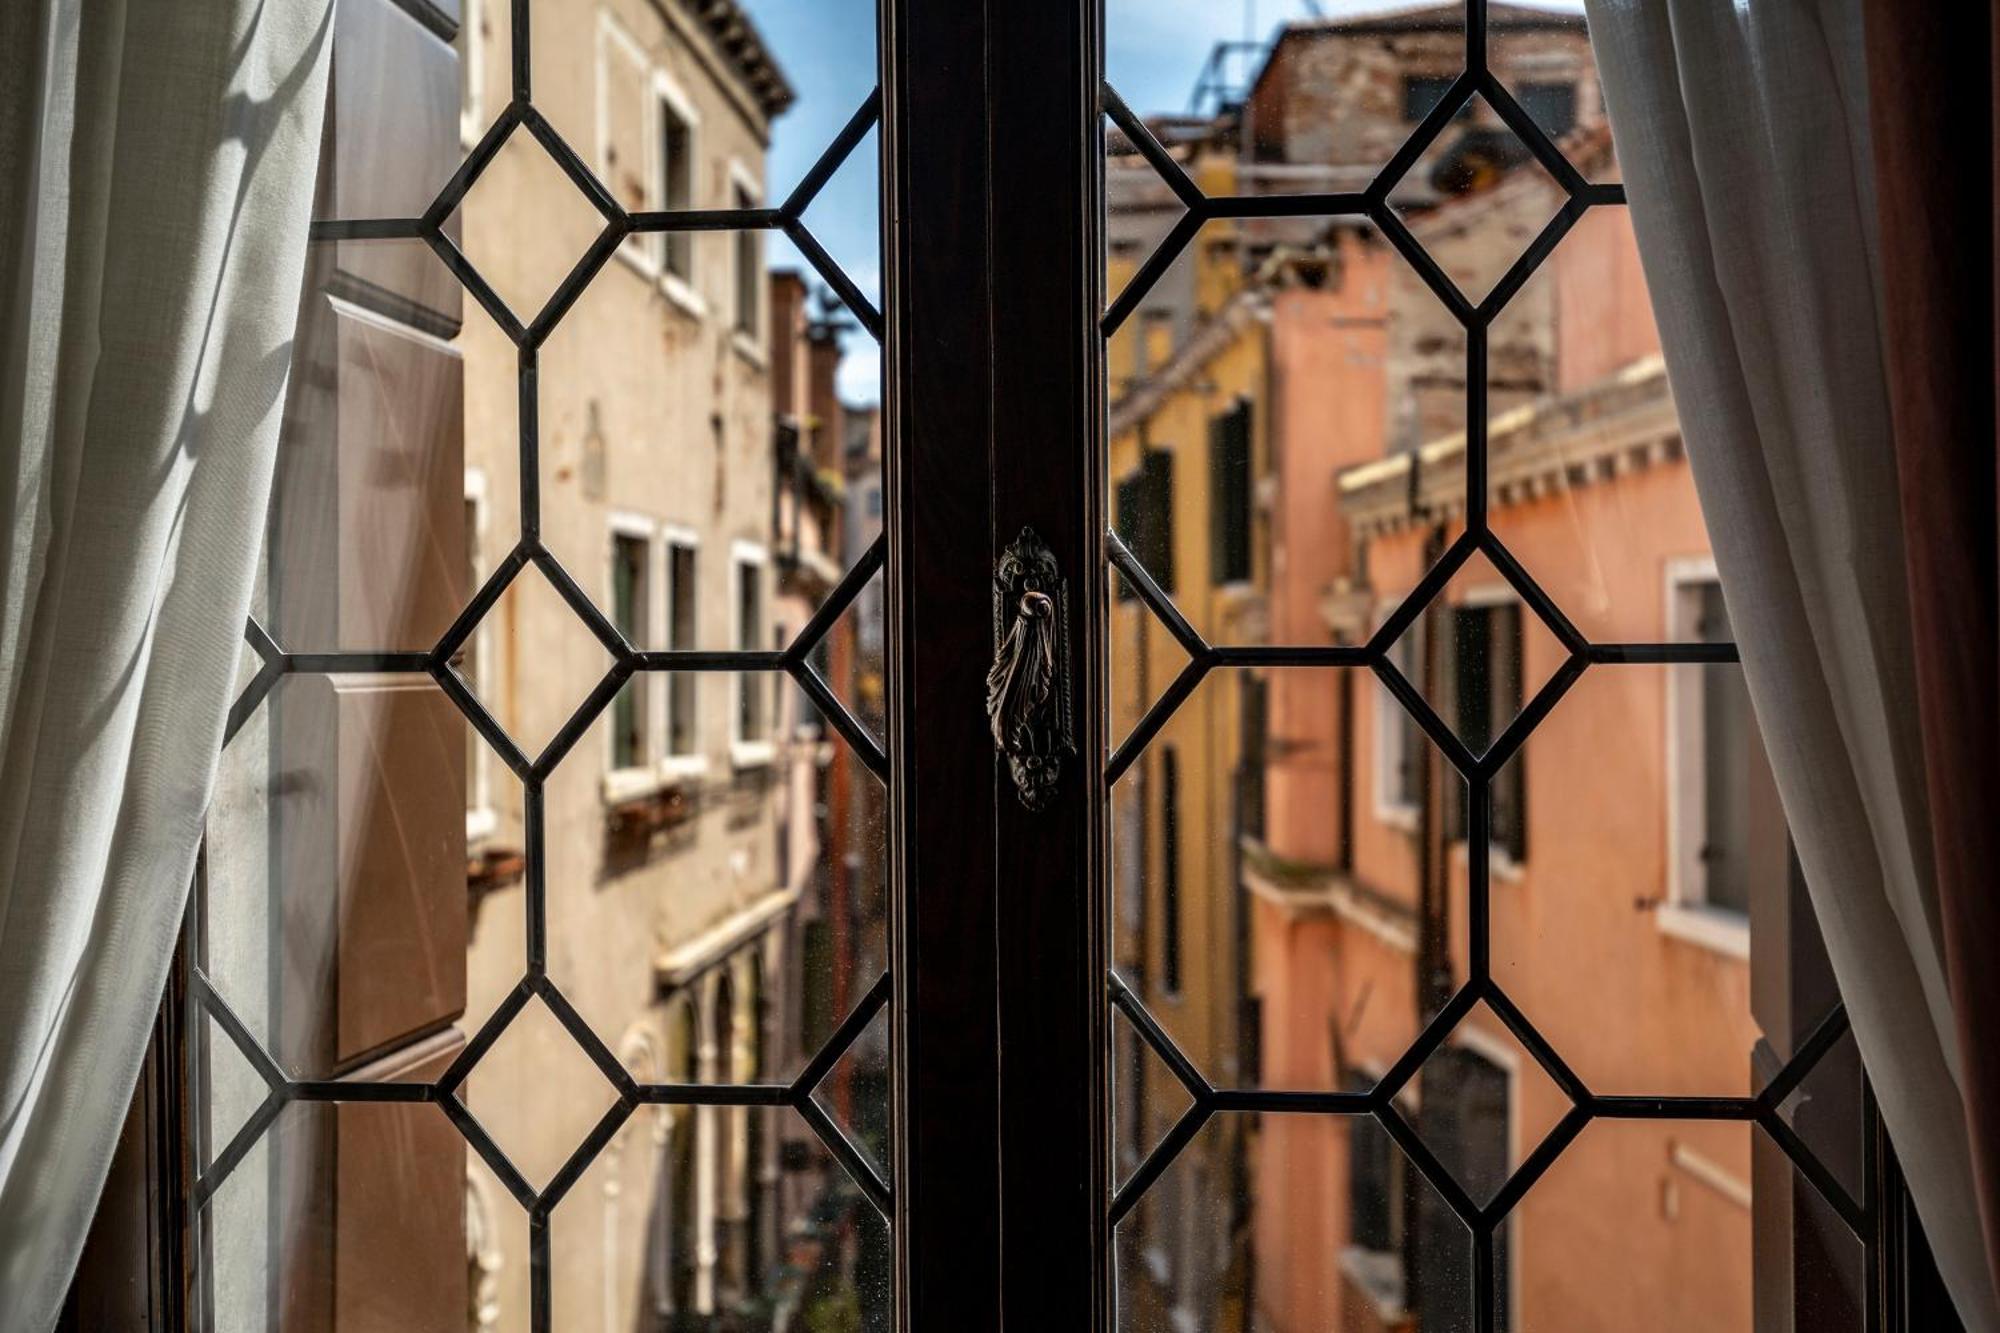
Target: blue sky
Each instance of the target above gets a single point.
(1154, 52)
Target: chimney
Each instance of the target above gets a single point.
(788, 335)
(827, 414)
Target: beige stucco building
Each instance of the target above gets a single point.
(377, 870)
(666, 897)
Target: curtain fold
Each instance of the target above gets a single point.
(1932, 103)
(1742, 128)
(157, 160)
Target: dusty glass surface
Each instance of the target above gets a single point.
(539, 952)
(1439, 814)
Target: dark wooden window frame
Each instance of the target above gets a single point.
(1003, 1208)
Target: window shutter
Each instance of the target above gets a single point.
(367, 775)
(1145, 517)
(1510, 814)
(1368, 1156)
(1229, 495)
(1170, 869)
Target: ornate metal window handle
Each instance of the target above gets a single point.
(1027, 691)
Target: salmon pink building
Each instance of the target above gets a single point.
(1294, 854)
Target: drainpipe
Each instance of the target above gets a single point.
(1344, 729)
(1248, 1042)
(1432, 979)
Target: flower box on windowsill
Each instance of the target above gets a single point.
(623, 786)
(680, 769)
(642, 814)
(752, 754)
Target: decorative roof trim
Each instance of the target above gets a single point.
(1428, 17)
(736, 38)
(1500, 17)
(1620, 425)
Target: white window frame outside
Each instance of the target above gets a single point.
(481, 819)
(1712, 1175)
(666, 93)
(1686, 913)
(750, 343)
(747, 752)
(646, 254)
(677, 766)
(472, 74)
(640, 252)
(1409, 1100)
(641, 779)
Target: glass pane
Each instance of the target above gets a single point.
(568, 796)
(1384, 835)
(826, 1250)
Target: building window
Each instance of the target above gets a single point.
(625, 160)
(1170, 870)
(479, 816)
(1729, 753)
(811, 720)
(1229, 494)
(1399, 738)
(677, 168)
(681, 605)
(1374, 1185)
(1728, 826)
(631, 554)
(471, 41)
(752, 687)
(1422, 93)
(749, 259)
(1466, 1116)
(1255, 709)
(1145, 517)
(1550, 105)
(1485, 686)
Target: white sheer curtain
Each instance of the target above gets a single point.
(1742, 131)
(156, 175)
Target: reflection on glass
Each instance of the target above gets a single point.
(1297, 891)
(594, 878)
(361, 1215)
